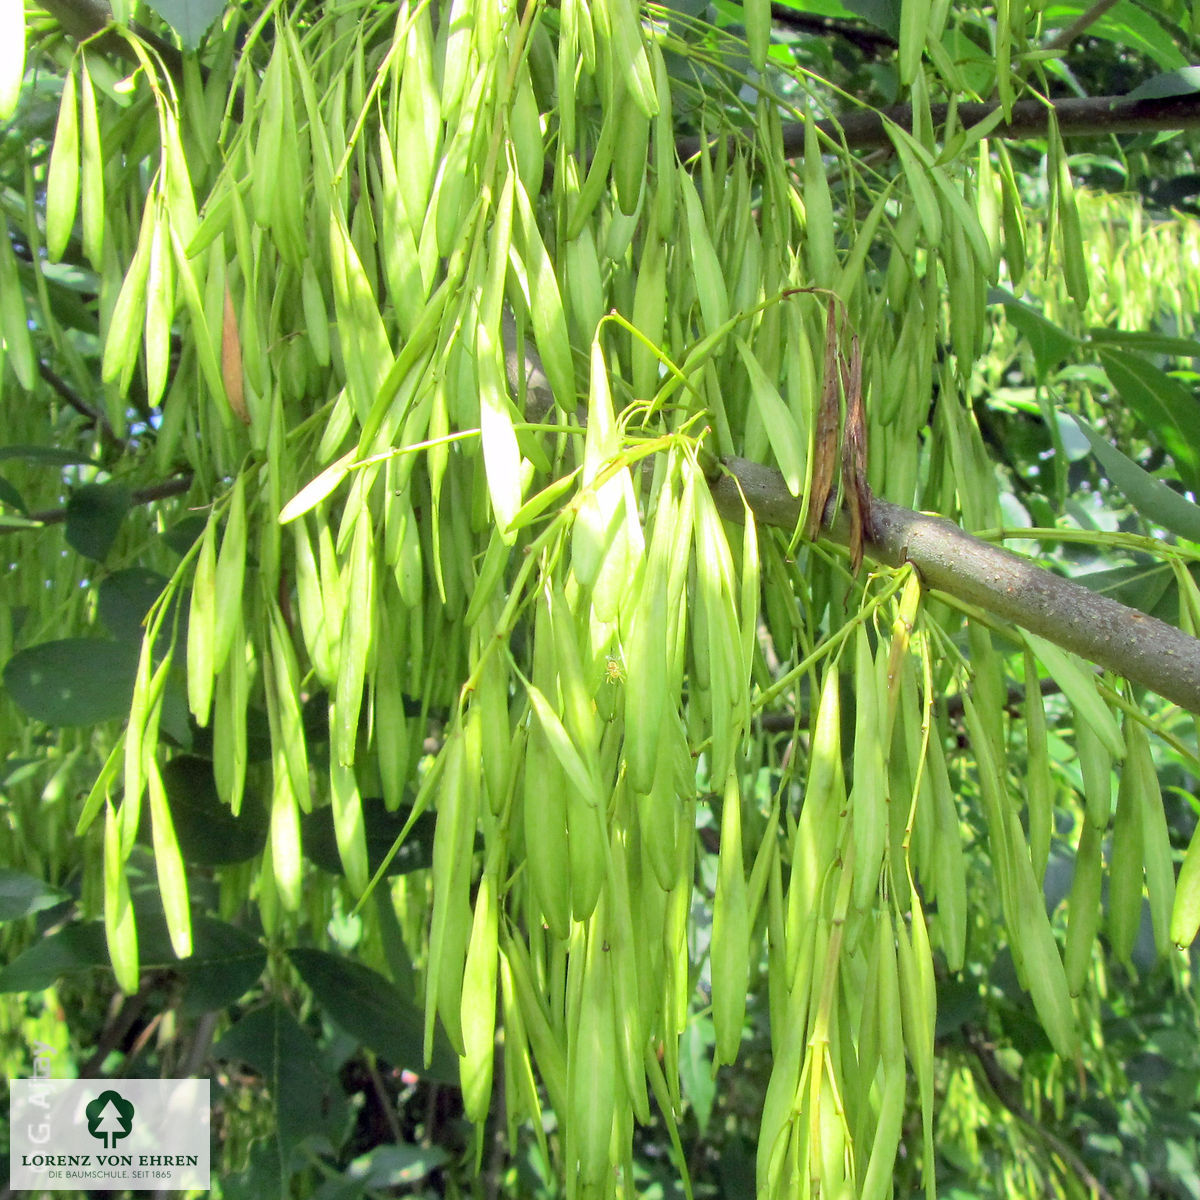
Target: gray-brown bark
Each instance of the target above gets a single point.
(1089, 116)
(1141, 648)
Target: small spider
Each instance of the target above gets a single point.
(613, 671)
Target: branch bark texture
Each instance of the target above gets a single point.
(1089, 116)
(1141, 648)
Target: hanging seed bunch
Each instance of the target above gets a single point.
(452, 339)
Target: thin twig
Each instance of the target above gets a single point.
(385, 1100)
(139, 1043)
(77, 402)
(1064, 38)
(115, 1032)
(869, 41)
(197, 1051)
(146, 495)
(1004, 1088)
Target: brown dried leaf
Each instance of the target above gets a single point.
(825, 448)
(854, 458)
(231, 361)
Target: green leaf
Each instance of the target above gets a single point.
(1163, 405)
(50, 455)
(75, 947)
(10, 496)
(1126, 25)
(75, 681)
(1151, 497)
(205, 827)
(189, 18)
(373, 1010)
(184, 532)
(264, 1174)
(1183, 82)
(1135, 586)
(226, 962)
(1147, 343)
(22, 894)
(391, 1166)
(883, 13)
(124, 598)
(381, 828)
(695, 1068)
(94, 515)
(1050, 344)
(308, 1099)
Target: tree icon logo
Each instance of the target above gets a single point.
(109, 1117)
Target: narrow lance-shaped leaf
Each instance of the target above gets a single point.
(1151, 497)
(172, 878)
(501, 454)
(123, 337)
(62, 177)
(12, 56)
(119, 922)
(92, 173)
(782, 431)
(14, 321)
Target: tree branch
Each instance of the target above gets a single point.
(146, 495)
(83, 19)
(77, 402)
(1072, 31)
(1090, 116)
(863, 37)
(1141, 648)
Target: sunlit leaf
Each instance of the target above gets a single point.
(1050, 343)
(1167, 408)
(1149, 496)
